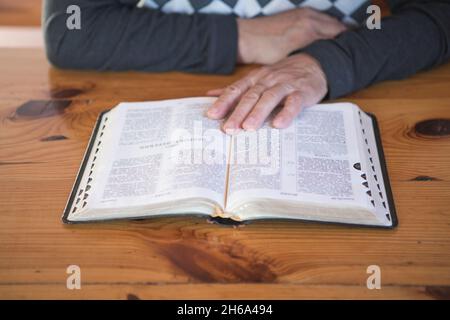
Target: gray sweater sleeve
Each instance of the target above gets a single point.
(416, 37)
(116, 35)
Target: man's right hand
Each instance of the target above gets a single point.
(267, 40)
(295, 82)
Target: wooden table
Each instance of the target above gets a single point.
(46, 117)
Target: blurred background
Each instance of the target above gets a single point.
(20, 22)
(20, 13)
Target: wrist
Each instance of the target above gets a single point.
(317, 70)
(243, 52)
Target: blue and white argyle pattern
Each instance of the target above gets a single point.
(348, 11)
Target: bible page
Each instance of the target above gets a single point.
(155, 154)
(315, 160)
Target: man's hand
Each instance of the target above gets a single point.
(266, 40)
(295, 82)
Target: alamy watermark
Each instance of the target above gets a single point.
(73, 281)
(373, 22)
(374, 280)
(73, 21)
(261, 148)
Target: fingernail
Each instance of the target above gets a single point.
(212, 112)
(249, 124)
(278, 122)
(231, 131)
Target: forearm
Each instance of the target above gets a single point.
(115, 35)
(415, 38)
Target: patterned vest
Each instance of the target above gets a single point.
(349, 11)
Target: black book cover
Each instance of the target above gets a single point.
(90, 149)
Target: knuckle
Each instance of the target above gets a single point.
(286, 87)
(251, 80)
(252, 75)
(295, 96)
(259, 88)
(251, 95)
(270, 79)
(271, 94)
(271, 76)
(303, 83)
(233, 88)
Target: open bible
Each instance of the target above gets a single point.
(158, 158)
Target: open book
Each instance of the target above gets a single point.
(166, 158)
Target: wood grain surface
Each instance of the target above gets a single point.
(46, 117)
(20, 13)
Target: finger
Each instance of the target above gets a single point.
(229, 98)
(248, 101)
(215, 92)
(268, 101)
(330, 26)
(231, 94)
(291, 108)
(325, 17)
(331, 30)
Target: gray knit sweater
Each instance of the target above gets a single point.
(201, 36)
